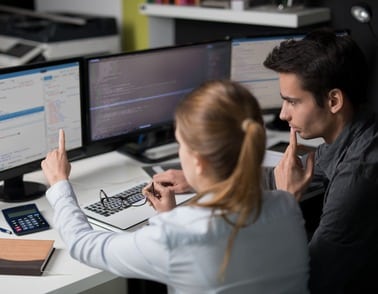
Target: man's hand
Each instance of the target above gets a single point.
(56, 166)
(174, 179)
(290, 175)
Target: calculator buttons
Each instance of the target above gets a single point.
(25, 219)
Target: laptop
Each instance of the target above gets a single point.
(131, 217)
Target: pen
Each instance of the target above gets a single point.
(153, 188)
(157, 195)
(5, 231)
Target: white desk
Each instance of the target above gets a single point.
(64, 274)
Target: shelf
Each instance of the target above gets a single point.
(266, 15)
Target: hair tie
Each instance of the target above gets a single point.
(245, 124)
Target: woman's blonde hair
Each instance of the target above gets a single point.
(222, 121)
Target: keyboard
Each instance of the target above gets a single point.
(134, 195)
(128, 217)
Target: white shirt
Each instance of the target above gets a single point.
(184, 248)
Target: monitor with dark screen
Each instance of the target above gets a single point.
(36, 101)
(136, 93)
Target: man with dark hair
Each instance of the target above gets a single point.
(323, 85)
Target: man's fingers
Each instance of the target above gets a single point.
(293, 140)
(291, 150)
(62, 141)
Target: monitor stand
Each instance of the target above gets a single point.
(151, 155)
(152, 147)
(16, 190)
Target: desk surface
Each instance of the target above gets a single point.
(64, 274)
(107, 171)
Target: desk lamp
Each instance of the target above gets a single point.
(362, 13)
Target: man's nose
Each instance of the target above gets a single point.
(284, 115)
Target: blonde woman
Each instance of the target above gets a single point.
(231, 238)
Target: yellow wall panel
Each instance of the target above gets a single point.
(135, 26)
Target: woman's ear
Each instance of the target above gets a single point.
(200, 164)
(335, 100)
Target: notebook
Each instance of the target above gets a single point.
(24, 256)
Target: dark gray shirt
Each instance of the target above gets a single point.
(344, 247)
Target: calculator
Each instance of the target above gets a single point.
(25, 219)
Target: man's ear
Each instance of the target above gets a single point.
(335, 100)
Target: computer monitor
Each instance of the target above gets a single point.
(36, 101)
(247, 57)
(136, 93)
